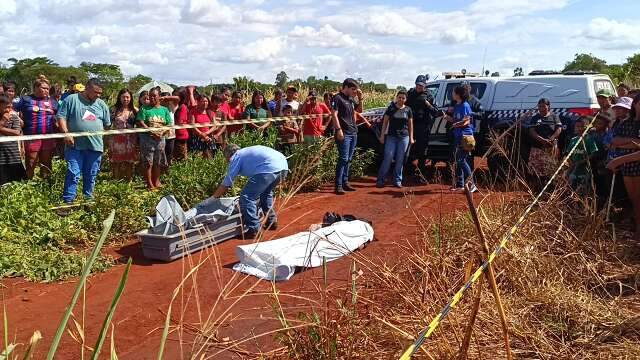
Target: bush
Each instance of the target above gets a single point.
(38, 244)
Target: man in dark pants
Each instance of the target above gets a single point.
(265, 168)
(344, 123)
(424, 112)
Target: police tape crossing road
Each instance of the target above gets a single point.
(425, 333)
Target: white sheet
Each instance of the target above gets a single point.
(278, 259)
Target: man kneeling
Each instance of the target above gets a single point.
(265, 168)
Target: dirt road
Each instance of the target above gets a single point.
(141, 312)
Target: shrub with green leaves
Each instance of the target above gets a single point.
(39, 244)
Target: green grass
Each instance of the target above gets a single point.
(39, 245)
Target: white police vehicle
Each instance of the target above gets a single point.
(505, 99)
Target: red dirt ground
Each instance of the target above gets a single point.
(141, 312)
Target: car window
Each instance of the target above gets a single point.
(603, 84)
(433, 89)
(477, 89)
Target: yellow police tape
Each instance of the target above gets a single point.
(4, 139)
(425, 333)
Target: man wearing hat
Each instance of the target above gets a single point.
(313, 128)
(424, 111)
(604, 101)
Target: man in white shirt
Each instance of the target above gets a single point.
(292, 95)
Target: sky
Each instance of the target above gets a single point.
(212, 41)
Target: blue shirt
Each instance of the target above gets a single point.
(272, 104)
(38, 114)
(460, 111)
(84, 116)
(254, 160)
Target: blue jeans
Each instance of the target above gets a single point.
(259, 187)
(85, 163)
(346, 149)
(463, 170)
(395, 149)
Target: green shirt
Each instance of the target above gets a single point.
(252, 113)
(81, 116)
(580, 156)
(155, 117)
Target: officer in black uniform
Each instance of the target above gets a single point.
(424, 112)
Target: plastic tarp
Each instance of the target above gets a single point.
(277, 260)
(171, 218)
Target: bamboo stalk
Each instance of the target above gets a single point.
(490, 273)
(613, 226)
(462, 353)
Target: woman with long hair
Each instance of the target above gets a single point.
(626, 141)
(186, 103)
(216, 107)
(236, 112)
(257, 110)
(123, 148)
(396, 135)
(201, 139)
(38, 112)
(464, 141)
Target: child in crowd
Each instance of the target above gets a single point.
(579, 172)
(152, 144)
(11, 168)
(288, 131)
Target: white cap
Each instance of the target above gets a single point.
(624, 102)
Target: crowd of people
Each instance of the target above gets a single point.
(610, 146)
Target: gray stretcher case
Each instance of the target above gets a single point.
(175, 246)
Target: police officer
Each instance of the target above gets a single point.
(424, 112)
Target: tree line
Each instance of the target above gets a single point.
(25, 71)
(628, 72)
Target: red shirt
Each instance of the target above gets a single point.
(235, 113)
(200, 118)
(313, 126)
(182, 118)
(225, 108)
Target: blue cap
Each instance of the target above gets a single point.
(421, 80)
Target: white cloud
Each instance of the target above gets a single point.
(208, 13)
(259, 51)
(260, 16)
(199, 41)
(390, 24)
(325, 37)
(612, 34)
(490, 13)
(8, 9)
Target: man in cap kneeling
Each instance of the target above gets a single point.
(265, 168)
